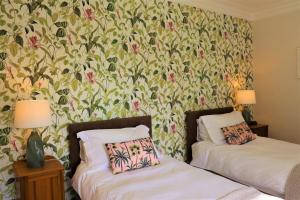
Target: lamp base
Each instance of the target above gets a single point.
(247, 115)
(248, 118)
(35, 151)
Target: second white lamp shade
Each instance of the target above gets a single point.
(32, 114)
(246, 97)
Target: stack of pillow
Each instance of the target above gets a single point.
(229, 128)
(122, 149)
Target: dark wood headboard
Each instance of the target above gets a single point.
(73, 129)
(191, 126)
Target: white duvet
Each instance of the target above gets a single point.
(170, 180)
(263, 163)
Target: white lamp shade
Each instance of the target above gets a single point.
(246, 97)
(32, 114)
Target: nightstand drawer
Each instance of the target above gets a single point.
(46, 187)
(45, 183)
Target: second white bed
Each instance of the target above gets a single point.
(264, 163)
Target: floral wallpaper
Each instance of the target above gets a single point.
(100, 59)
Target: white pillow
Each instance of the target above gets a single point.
(214, 123)
(122, 134)
(82, 153)
(202, 134)
(94, 142)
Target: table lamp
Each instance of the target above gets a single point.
(33, 114)
(246, 97)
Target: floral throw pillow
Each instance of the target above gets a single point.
(130, 155)
(238, 134)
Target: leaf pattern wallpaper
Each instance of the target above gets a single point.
(100, 59)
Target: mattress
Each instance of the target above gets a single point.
(169, 180)
(264, 163)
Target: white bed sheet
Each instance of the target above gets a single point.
(170, 180)
(264, 163)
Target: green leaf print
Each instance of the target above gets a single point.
(63, 100)
(2, 32)
(61, 32)
(101, 59)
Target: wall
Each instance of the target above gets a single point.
(278, 90)
(105, 59)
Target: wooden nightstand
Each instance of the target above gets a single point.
(46, 183)
(260, 129)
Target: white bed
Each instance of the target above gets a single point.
(169, 180)
(263, 163)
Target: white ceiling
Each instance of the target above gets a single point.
(248, 9)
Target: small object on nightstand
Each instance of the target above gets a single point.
(260, 129)
(42, 183)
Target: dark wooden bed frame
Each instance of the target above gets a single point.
(73, 129)
(191, 129)
(191, 126)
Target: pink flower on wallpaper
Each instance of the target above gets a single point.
(226, 35)
(172, 77)
(90, 77)
(191, 72)
(40, 84)
(201, 53)
(70, 39)
(118, 13)
(33, 42)
(135, 48)
(72, 105)
(14, 145)
(173, 128)
(136, 105)
(159, 99)
(89, 14)
(170, 25)
(201, 101)
(158, 46)
(9, 71)
(227, 77)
